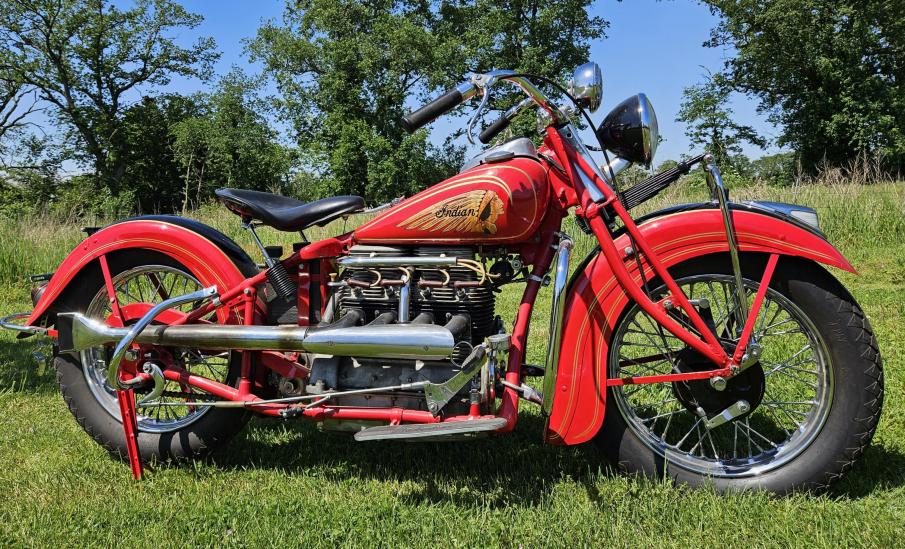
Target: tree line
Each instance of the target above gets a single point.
(87, 123)
(829, 75)
(82, 83)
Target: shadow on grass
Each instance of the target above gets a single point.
(20, 370)
(880, 468)
(517, 469)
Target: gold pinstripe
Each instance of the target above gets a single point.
(483, 177)
(84, 260)
(753, 238)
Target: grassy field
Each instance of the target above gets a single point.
(288, 484)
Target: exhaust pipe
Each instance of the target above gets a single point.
(410, 342)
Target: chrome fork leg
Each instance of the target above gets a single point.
(721, 194)
(560, 280)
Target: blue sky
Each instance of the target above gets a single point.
(651, 46)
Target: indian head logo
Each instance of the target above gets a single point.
(471, 212)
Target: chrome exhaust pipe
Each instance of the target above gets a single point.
(410, 342)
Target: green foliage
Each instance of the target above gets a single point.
(709, 122)
(152, 174)
(546, 38)
(82, 197)
(348, 71)
(774, 169)
(86, 58)
(175, 150)
(229, 143)
(829, 73)
(344, 70)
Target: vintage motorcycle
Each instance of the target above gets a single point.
(724, 350)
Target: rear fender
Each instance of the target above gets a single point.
(595, 301)
(211, 256)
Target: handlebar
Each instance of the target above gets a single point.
(494, 129)
(482, 83)
(503, 122)
(438, 107)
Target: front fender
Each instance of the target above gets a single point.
(209, 255)
(596, 301)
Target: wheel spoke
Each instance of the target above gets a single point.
(794, 370)
(148, 285)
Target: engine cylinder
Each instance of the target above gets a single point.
(443, 293)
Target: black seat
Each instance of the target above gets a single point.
(284, 213)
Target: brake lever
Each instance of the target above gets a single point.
(485, 97)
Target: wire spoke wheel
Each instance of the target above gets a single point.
(151, 284)
(790, 389)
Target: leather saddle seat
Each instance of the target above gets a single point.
(284, 213)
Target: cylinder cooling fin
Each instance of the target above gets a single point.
(441, 294)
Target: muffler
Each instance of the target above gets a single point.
(408, 342)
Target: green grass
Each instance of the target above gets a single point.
(289, 484)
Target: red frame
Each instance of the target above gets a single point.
(579, 402)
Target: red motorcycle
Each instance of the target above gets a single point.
(724, 350)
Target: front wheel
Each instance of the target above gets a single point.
(814, 396)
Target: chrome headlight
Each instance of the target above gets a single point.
(631, 131)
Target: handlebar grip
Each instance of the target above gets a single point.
(430, 112)
(494, 129)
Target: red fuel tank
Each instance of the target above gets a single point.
(500, 203)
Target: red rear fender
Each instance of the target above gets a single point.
(596, 301)
(206, 260)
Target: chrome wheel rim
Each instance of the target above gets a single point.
(152, 284)
(797, 397)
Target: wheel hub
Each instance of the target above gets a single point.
(748, 385)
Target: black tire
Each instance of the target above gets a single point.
(857, 396)
(195, 440)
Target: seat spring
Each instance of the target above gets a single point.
(278, 276)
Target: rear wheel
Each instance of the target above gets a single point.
(166, 432)
(814, 396)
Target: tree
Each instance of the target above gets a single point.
(16, 104)
(344, 70)
(29, 182)
(153, 173)
(230, 142)
(709, 122)
(545, 38)
(831, 74)
(86, 58)
(348, 71)
(775, 169)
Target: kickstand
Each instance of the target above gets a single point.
(126, 398)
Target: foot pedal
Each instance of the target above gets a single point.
(430, 430)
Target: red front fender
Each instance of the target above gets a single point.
(596, 301)
(203, 258)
